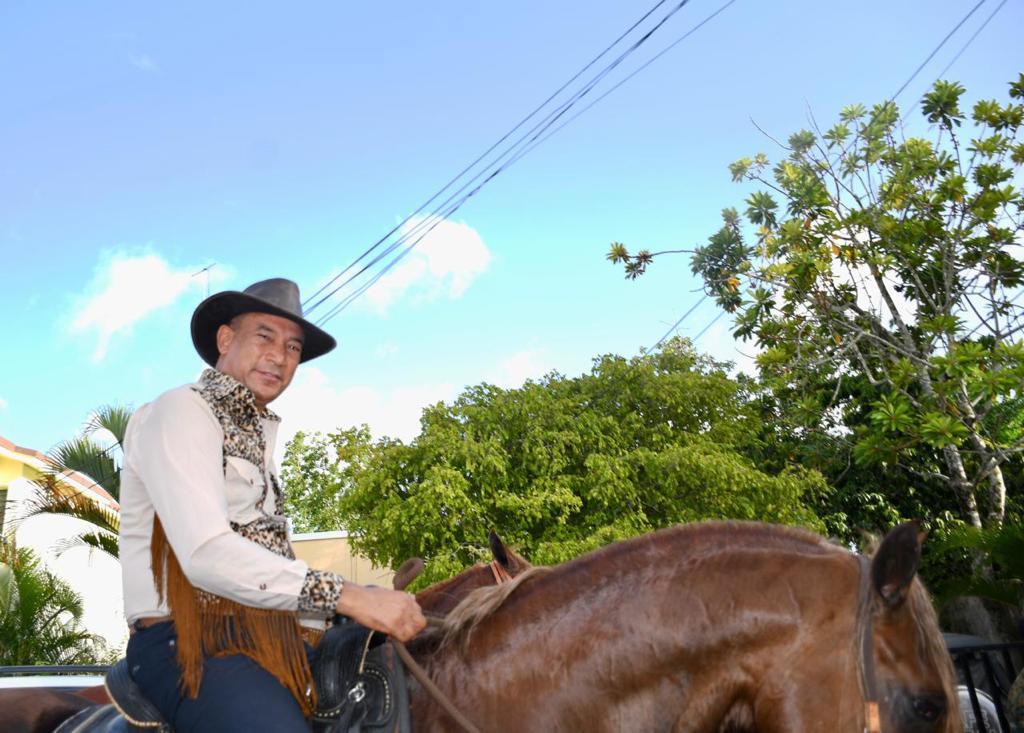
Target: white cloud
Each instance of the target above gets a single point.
(143, 62)
(311, 403)
(444, 263)
(520, 366)
(386, 350)
(3, 404)
(124, 290)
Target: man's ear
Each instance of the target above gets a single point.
(225, 335)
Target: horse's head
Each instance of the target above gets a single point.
(916, 683)
(442, 597)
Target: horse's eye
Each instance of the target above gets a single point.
(927, 708)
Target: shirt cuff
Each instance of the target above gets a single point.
(320, 592)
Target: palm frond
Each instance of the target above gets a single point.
(112, 418)
(1004, 544)
(1004, 548)
(102, 541)
(39, 620)
(84, 455)
(48, 499)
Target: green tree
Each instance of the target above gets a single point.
(39, 614)
(84, 455)
(317, 469)
(558, 466)
(879, 273)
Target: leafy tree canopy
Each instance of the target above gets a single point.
(558, 467)
(880, 273)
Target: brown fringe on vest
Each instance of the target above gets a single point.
(208, 625)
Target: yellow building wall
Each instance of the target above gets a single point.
(11, 469)
(328, 551)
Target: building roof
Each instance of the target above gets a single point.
(42, 462)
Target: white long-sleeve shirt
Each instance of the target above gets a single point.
(221, 513)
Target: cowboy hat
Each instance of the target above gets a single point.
(277, 296)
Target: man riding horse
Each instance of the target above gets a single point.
(213, 590)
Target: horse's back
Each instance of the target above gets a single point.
(37, 710)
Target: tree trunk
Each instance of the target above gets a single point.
(990, 464)
(961, 486)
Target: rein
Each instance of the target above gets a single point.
(869, 682)
(501, 575)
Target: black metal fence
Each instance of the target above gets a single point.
(985, 673)
(61, 669)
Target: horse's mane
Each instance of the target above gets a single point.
(481, 603)
(928, 642)
(931, 646)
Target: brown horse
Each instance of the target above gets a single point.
(41, 710)
(711, 627)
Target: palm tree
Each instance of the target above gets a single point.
(84, 455)
(39, 614)
(1004, 547)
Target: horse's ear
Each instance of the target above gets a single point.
(407, 573)
(499, 550)
(895, 563)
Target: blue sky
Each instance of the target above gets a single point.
(139, 144)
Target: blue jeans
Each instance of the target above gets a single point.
(236, 695)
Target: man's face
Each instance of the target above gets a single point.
(261, 351)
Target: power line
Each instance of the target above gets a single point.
(543, 125)
(635, 72)
(971, 40)
(530, 139)
(676, 324)
(704, 330)
(483, 155)
(936, 49)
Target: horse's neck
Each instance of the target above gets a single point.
(439, 599)
(590, 635)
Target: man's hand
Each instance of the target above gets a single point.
(395, 613)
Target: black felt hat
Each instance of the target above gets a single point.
(277, 296)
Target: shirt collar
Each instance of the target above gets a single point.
(225, 387)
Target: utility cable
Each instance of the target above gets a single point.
(936, 49)
(634, 73)
(704, 330)
(676, 324)
(970, 40)
(531, 141)
(528, 137)
(484, 154)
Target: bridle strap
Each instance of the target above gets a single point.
(500, 573)
(869, 682)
